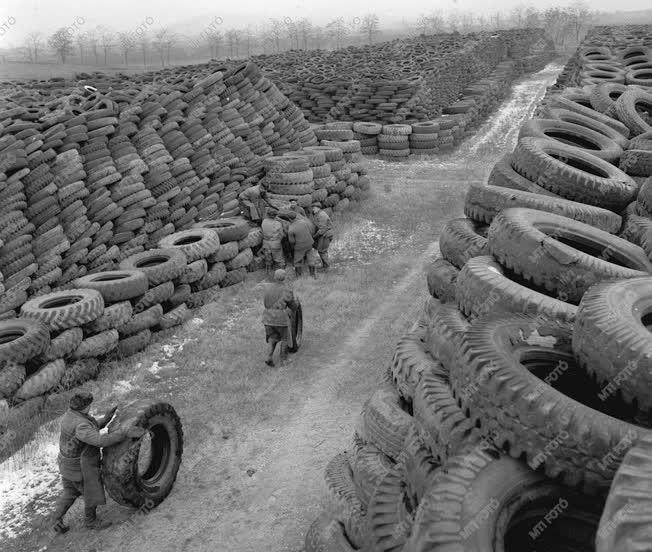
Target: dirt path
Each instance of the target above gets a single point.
(257, 484)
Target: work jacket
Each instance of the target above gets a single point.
(279, 301)
(324, 225)
(79, 453)
(300, 233)
(272, 232)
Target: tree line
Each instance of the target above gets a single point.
(149, 45)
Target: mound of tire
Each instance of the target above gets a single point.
(516, 413)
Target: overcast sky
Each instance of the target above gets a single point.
(19, 17)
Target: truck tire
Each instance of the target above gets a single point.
(65, 309)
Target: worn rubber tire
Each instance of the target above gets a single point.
(520, 411)
(228, 229)
(181, 294)
(12, 376)
(574, 174)
(483, 203)
(588, 122)
(446, 325)
(604, 96)
(241, 260)
(79, 372)
(159, 265)
(234, 277)
(155, 295)
(628, 114)
(120, 461)
(114, 316)
(368, 466)
(97, 345)
(516, 241)
(226, 252)
(195, 244)
(115, 285)
(611, 341)
(636, 162)
(326, 534)
(462, 239)
(484, 287)
(143, 320)
(132, 344)
(193, 272)
(22, 339)
(63, 344)
(65, 309)
(561, 102)
(40, 382)
(626, 523)
(440, 277)
(175, 317)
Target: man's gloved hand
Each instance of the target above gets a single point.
(135, 432)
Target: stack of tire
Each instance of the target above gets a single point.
(424, 139)
(394, 141)
(509, 406)
(290, 178)
(367, 135)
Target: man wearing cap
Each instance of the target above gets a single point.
(273, 234)
(279, 302)
(324, 233)
(300, 238)
(294, 206)
(253, 202)
(79, 459)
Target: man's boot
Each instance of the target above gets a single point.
(312, 271)
(91, 521)
(270, 356)
(284, 352)
(60, 527)
(324, 260)
(298, 271)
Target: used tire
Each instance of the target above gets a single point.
(159, 265)
(113, 316)
(22, 340)
(462, 239)
(484, 287)
(43, 380)
(611, 340)
(65, 309)
(127, 482)
(326, 534)
(115, 285)
(97, 345)
(12, 376)
(573, 173)
(79, 372)
(560, 254)
(368, 466)
(440, 277)
(132, 344)
(195, 244)
(155, 295)
(483, 203)
(503, 175)
(446, 325)
(63, 344)
(628, 109)
(535, 402)
(228, 230)
(588, 122)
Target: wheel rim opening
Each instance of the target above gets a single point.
(596, 249)
(637, 53)
(571, 140)
(10, 335)
(644, 110)
(644, 76)
(646, 320)
(615, 95)
(530, 285)
(580, 165)
(152, 261)
(110, 277)
(154, 455)
(560, 371)
(532, 528)
(583, 102)
(187, 240)
(61, 302)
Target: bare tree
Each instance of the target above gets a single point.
(275, 33)
(292, 32)
(80, 39)
(305, 30)
(454, 20)
(370, 26)
(317, 36)
(248, 40)
(215, 42)
(517, 16)
(582, 17)
(160, 43)
(126, 45)
(423, 24)
(233, 40)
(143, 43)
(61, 43)
(33, 42)
(532, 20)
(337, 30)
(466, 22)
(91, 41)
(106, 41)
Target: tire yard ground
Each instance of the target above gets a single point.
(257, 439)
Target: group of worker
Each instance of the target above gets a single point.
(289, 232)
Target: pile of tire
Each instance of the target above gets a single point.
(290, 177)
(518, 401)
(367, 135)
(402, 80)
(60, 338)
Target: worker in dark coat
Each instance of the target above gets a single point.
(324, 233)
(279, 302)
(294, 206)
(253, 202)
(300, 236)
(79, 460)
(273, 235)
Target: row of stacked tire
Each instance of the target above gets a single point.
(401, 80)
(442, 134)
(516, 413)
(59, 338)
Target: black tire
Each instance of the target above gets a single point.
(22, 340)
(296, 328)
(115, 285)
(120, 467)
(588, 122)
(604, 96)
(228, 230)
(574, 174)
(384, 423)
(193, 272)
(97, 345)
(65, 309)
(462, 239)
(517, 240)
(143, 320)
(636, 162)
(195, 244)
(440, 277)
(626, 519)
(63, 344)
(573, 136)
(233, 277)
(627, 110)
(326, 534)
(611, 340)
(159, 265)
(79, 372)
(481, 502)
(181, 295)
(12, 376)
(483, 203)
(368, 466)
(503, 175)
(524, 366)
(113, 316)
(155, 295)
(175, 317)
(561, 102)
(484, 287)
(410, 360)
(132, 344)
(446, 325)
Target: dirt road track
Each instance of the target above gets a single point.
(260, 488)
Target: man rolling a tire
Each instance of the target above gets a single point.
(79, 460)
(279, 301)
